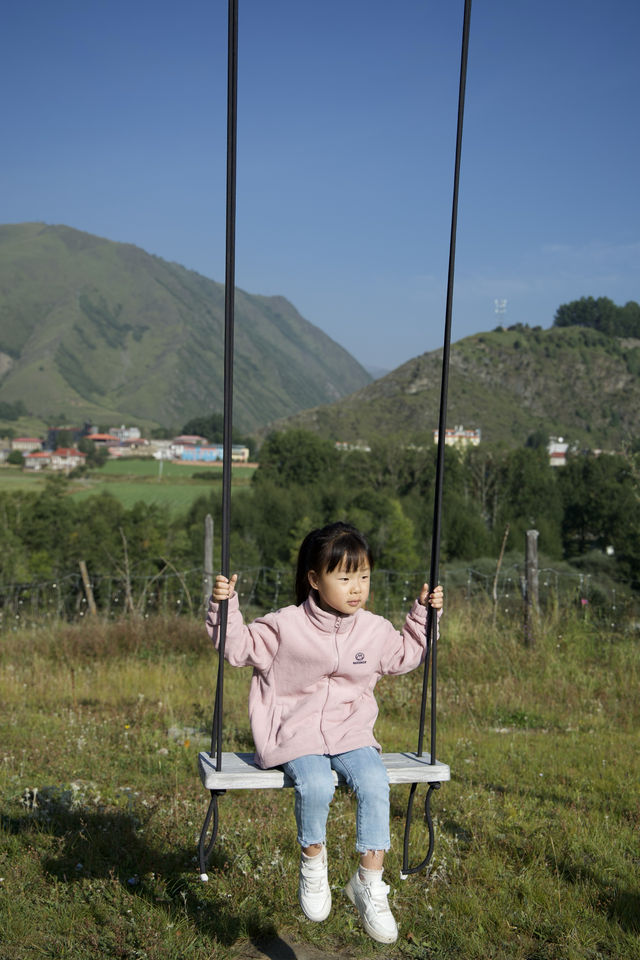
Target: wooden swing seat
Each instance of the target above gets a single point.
(239, 772)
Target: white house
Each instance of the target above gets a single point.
(459, 437)
(125, 433)
(557, 449)
(186, 441)
(36, 460)
(26, 444)
(67, 458)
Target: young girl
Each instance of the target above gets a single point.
(312, 708)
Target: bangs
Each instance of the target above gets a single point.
(348, 548)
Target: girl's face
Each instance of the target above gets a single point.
(340, 591)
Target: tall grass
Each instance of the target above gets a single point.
(536, 833)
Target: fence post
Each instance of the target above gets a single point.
(87, 588)
(207, 580)
(530, 586)
(494, 592)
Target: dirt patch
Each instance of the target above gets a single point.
(282, 948)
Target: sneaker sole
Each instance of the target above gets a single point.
(320, 917)
(379, 937)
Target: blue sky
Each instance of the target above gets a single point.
(114, 122)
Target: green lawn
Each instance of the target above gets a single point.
(163, 483)
(168, 470)
(14, 478)
(100, 805)
(177, 496)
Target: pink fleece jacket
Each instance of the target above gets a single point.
(314, 674)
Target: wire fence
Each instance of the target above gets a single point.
(612, 604)
(261, 589)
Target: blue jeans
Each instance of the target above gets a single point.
(364, 773)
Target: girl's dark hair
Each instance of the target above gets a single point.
(324, 549)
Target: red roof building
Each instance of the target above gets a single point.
(67, 458)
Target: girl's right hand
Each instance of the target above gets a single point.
(435, 599)
(223, 588)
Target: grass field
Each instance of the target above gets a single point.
(165, 484)
(536, 834)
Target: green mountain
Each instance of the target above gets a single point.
(102, 331)
(565, 381)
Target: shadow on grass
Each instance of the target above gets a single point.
(622, 906)
(619, 904)
(82, 845)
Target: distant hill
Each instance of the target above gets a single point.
(568, 381)
(103, 331)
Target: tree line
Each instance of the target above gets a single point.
(601, 314)
(587, 512)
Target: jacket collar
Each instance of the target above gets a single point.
(328, 622)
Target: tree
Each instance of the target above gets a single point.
(14, 556)
(45, 528)
(64, 438)
(482, 474)
(97, 456)
(16, 458)
(12, 411)
(630, 319)
(601, 508)
(296, 457)
(538, 439)
(602, 315)
(464, 532)
(528, 498)
(212, 427)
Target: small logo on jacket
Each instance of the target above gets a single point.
(359, 658)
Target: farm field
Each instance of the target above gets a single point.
(164, 483)
(100, 803)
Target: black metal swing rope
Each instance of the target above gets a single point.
(229, 311)
(434, 575)
(205, 847)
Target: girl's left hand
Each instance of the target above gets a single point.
(435, 598)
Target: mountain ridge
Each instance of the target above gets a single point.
(510, 383)
(105, 331)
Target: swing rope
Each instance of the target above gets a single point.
(205, 847)
(229, 317)
(432, 620)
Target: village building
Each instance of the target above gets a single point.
(26, 444)
(239, 454)
(126, 434)
(186, 441)
(67, 459)
(212, 453)
(132, 447)
(459, 437)
(160, 449)
(557, 449)
(201, 454)
(346, 445)
(37, 460)
(102, 439)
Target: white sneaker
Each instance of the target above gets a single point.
(371, 902)
(313, 888)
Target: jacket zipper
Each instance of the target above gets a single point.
(337, 661)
